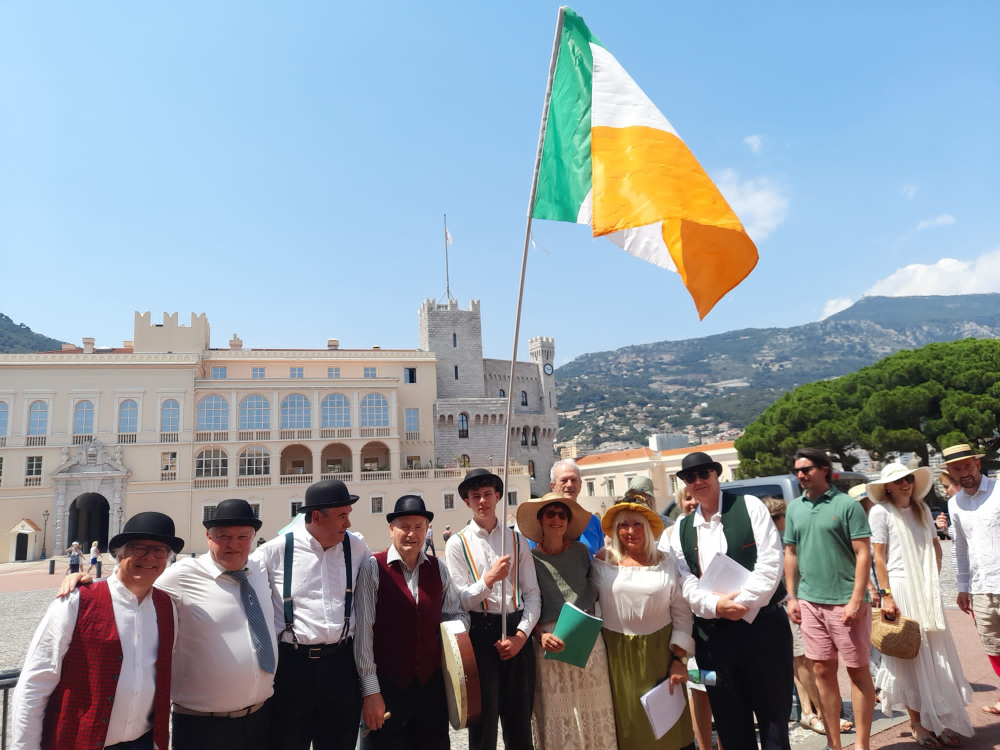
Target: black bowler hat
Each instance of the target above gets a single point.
(150, 524)
(331, 493)
(410, 505)
(699, 460)
(234, 512)
(479, 477)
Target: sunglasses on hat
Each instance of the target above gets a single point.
(688, 476)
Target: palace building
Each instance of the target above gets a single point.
(92, 435)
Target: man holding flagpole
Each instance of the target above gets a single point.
(480, 566)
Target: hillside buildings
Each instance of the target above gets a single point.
(90, 436)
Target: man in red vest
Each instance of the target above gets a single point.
(403, 596)
(97, 673)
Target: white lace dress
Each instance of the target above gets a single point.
(932, 682)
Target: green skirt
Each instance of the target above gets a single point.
(637, 663)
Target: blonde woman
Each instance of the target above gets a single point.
(931, 687)
(647, 624)
(573, 707)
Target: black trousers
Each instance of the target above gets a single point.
(507, 687)
(212, 732)
(316, 701)
(140, 743)
(419, 718)
(753, 664)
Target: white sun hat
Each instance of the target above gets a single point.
(923, 479)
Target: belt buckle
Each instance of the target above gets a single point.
(316, 650)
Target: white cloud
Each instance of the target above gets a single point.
(910, 189)
(758, 203)
(834, 306)
(938, 221)
(947, 276)
(754, 142)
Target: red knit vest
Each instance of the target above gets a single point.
(79, 709)
(406, 634)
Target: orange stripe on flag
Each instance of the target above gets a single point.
(643, 175)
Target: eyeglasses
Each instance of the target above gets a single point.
(688, 476)
(804, 469)
(141, 550)
(908, 479)
(551, 513)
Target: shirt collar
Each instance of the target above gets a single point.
(393, 555)
(822, 498)
(699, 517)
(480, 531)
(121, 593)
(212, 566)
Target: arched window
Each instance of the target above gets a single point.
(255, 462)
(524, 436)
(213, 414)
(374, 410)
(295, 413)
(211, 462)
(534, 436)
(3, 417)
(531, 469)
(170, 416)
(83, 418)
(255, 413)
(335, 411)
(524, 398)
(463, 425)
(38, 418)
(464, 461)
(502, 393)
(128, 416)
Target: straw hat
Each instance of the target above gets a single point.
(858, 491)
(608, 520)
(891, 472)
(531, 526)
(960, 452)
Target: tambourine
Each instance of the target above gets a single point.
(461, 675)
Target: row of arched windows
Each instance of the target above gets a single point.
(296, 412)
(529, 436)
(524, 396)
(83, 417)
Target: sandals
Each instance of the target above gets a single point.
(846, 725)
(923, 737)
(992, 710)
(949, 739)
(813, 722)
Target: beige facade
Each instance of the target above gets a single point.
(165, 422)
(606, 475)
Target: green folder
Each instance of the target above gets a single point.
(579, 631)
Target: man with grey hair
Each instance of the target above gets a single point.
(564, 478)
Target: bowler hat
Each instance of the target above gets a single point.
(409, 505)
(479, 477)
(234, 512)
(698, 460)
(149, 524)
(330, 493)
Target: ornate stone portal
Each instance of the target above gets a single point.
(90, 469)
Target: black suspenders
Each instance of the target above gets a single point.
(286, 595)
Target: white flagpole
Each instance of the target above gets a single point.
(447, 276)
(520, 297)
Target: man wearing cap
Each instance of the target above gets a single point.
(506, 668)
(564, 478)
(97, 673)
(743, 635)
(403, 597)
(313, 571)
(975, 518)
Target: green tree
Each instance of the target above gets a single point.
(941, 394)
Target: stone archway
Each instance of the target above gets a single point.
(89, 517)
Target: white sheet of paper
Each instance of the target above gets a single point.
(724, 575)
(454, 626)
(662, 708)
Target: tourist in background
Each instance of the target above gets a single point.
(647, 624)
(75, 555)
(573, 706)
(95, 555)
(951, 488)
(931, 687)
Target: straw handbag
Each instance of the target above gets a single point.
(899, 637)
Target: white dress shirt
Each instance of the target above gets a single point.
(366, 599)
(766, 574)
(215, 665)
(319, 584)
(484, 548)
(133, 706)
(976, 535)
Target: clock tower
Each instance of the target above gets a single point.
(542, 350)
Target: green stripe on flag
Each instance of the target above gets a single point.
(565, 177)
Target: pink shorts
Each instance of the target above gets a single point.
(826, 637)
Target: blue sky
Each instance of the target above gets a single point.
(285, 167)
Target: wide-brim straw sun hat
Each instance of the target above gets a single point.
(960, 452)
(923, 479)
(530, 525)
(608, 519)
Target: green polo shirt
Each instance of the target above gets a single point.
(822, 531)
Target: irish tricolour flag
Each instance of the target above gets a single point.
(612, 160)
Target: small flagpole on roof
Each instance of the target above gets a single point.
(520, 297)
(447, 242)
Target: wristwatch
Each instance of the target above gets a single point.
(884, 592)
